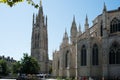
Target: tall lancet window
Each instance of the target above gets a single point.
(83, 56)
(67, 59)
(114, 54)
(37, 40)
(115, 25)
(95, 60)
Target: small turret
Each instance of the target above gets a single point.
(73, 31)
(104, 9)
(79, 32)
(86, 24)
(65, 39)
(104, 19)
(87, 31)
(74, 20)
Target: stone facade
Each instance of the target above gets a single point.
(8, 59)
(94, 53)
(39, 40)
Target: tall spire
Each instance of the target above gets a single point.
(73, 31)
(80, 29)
(74, 23)
(86, 20)
(86, 23)
(73, 18)
(40, 3)
(74, 27)
(40, 8)
(104, 9)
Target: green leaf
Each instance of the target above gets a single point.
(36, 6)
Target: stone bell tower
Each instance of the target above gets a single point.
(39, 40)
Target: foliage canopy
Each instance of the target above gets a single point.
(29, 65)
(16, 67)
(3, 67)
(13, 2)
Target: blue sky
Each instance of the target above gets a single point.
(16, 22)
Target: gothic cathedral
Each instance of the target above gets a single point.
(94, 53)
(39, 40)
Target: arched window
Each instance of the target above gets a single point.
(112, 57)
(83, 56)
(115, 25)
(67, 59)
(95, 55)
(114, 54)
(118, 56)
